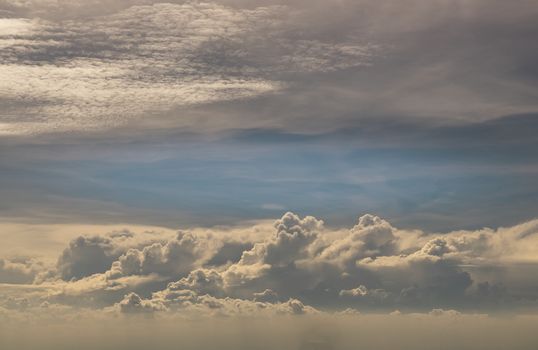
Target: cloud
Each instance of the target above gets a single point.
(371, 266)
(101, 72)
(19, 270)
(266, 296)
(174, 258)
(230, 252)
(132, 303)
(202, 282)
(188, 301)
(447, 313)
(86, 256)
(363, 292)
(121, 67)
(372, 236)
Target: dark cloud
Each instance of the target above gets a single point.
(267, 295)
(230, 252)
(86, 256)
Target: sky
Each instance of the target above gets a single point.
(363, 161)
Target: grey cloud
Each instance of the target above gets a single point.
(229, 252)
(132, 303)
(202, 282)
(363, 292)
(372, 253)
(15, 303)
(267, 295)
(188, 301)
(86, 256)
(101, 72)
(20, 270)
(356, 60)
(447, 63)
(372, 266)
(173, 258)
(363, 297)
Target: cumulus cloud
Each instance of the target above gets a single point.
(178, 298)
(297, 265)
(173, 258)
(132, 303)
(202, 282)
(266, 296)
(86, 256)
(361, 292)
(19, 270)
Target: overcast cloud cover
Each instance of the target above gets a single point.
(352, 163)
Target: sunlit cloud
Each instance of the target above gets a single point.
(372, 266)
(143, 61)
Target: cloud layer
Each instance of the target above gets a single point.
(228, 111)
(132, 65)
(300, 267)
(141, 62)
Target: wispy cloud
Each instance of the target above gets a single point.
(101, 72)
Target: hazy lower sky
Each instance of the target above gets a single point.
(265, 158)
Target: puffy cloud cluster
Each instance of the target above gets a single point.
(86, 256)
(19, 270)
(297, 267)
(201, 293)
(132, 303)
(173, 258)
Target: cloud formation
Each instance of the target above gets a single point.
(100, 72)
(215, 112)
(19, 270)
(136, 64)
(301, 267)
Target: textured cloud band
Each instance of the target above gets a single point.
(101, 72)
(297, 266)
